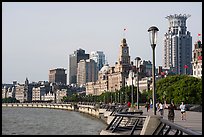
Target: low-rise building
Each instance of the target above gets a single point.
(37, 93)
(197, 60)
(60, 94)
(48, 96)
(20, 92)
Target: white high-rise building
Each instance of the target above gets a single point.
(177, 54)
(99, 58)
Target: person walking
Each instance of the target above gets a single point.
(161, 109)
(157, 106)
(128, 104)
(183, 111)
(171, 113)
(147, 106)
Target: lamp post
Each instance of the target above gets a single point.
(137, 59)
(126, 96)
(153, 39)
(120, 93)
(132, 94)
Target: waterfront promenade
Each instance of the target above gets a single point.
(193, 119)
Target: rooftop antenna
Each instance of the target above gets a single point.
(124, 32)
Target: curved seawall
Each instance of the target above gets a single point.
(37, 121)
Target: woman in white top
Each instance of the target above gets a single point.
(183, 111)
(161, 109)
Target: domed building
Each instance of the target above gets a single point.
(112, 78)
(104, 69)
(100, 86)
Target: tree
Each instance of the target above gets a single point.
(179, 88)
(10, 100)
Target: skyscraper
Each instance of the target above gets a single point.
(58, 76)
(86, 72)
(73, 60)
(99, 58)
(177, 54)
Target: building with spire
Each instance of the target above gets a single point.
(177, 54)
(24, 91)
(112, 78)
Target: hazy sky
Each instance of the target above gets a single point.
(40, 36)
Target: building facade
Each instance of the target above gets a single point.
(24, 91)
(48, 96)
(58, 76)
(177, 45)
(73, 62)
(144, 83)
(197, 59)
(99, 58)
(60, 94)
(86, 72)
(38, 92)
(112, 78)
(145, 68)
(8, 90)
(20, 92)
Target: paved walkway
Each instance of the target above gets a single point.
(193, 119)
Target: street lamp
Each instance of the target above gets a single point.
(126, 95)
(137, 59)
(120, 93)
(132, 94)
(153, 39)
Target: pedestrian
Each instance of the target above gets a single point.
(128, 104)
(183, 111)
(161, 109)
(147, 106)
(171, 113)
(157, 106)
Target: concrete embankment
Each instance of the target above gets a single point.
(149, 126)
(87, 109)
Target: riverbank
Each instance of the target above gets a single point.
(194, 121)
(38, 121)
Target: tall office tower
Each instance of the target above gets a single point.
(197, 59)
(99, 58)
(86, 72)
(58, 76)
(73, 60)
(177, 54)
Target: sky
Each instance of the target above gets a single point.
(39, 36)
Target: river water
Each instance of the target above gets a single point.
(44, 121)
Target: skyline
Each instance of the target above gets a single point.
(38, 37)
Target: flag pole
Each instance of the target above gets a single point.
(124, 33)
(199, 36)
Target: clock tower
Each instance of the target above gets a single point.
(124, 58)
